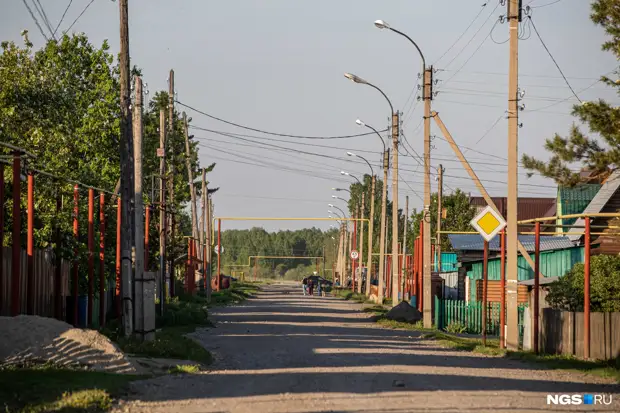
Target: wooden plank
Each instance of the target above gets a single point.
(494, 292)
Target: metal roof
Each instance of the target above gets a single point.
(475, 242)
(599, 201)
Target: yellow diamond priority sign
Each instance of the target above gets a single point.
(488, 223)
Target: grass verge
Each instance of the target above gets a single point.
(349, 295)
(183, 314)
(607, 369)
(45, 388)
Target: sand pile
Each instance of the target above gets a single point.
(33, 338)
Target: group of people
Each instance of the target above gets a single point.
(309, 284)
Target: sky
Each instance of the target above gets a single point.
(278, 65)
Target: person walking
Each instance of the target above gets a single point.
(305, 284)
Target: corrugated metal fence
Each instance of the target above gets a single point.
(43, 293)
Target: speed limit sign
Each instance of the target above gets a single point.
(354, 255)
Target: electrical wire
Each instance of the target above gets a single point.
(78, 17)
(553, 58)
(35, 20)
(273, 133)
(63, 16)
(39, 8)
(462, 34)
(543, 5)
(473, 37)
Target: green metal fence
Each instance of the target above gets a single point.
(469, 315)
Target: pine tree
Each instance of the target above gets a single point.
(599, 158)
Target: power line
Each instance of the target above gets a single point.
(35, 20)
(63, 16)
(39, 8)
(462, 34)
(543, 5)
(552, 58)
(78, 17)
(473, 37)
(274, 133)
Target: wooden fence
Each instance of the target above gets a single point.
(43, 293)
(561, 332)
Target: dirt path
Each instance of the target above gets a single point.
(283, 352)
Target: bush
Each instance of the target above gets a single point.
(456, 328)
(567, 292)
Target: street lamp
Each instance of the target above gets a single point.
(337, 197)
(372, 172)
(395, 133)
(360, 123)
(427, 96)
(341, 189)
(335, 207)
(352, 176)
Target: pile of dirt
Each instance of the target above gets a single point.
(405, 313)
(39, 339)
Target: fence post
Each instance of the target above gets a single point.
(1, 237)
(16, 247)
(485, 271)
(147, 223)
(91, 254)
(58, 260)
(117, 290)
(536, 285)
(437, 314)
(75, 254)
(101, 259)
(586, 291)
(502, 304)
(30, 246)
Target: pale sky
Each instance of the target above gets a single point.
(278, 65)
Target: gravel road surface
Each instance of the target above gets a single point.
(282, 352)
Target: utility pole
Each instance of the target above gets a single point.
(404, 281)
(141, 313)
(440, 172)
(370, 234)
(395, 133)
(202, 252)
(208, 214)
(170, 181)
(190, 174)
(382, 236)
(163, 218)
(426, 235)
(512, 334)
(361, 244)
(126, 170)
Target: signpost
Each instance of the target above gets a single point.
(488, 223)
(355, 255)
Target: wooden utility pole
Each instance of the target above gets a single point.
(170, 181)
(440, 172)
(208, 215)
(361, 244)
(404, 263)
(202, 253)
(126, 170)
(163, 218)
(512, 333)
(141, 313)
(395, 134)
(370, 236)
(426, 234)
(190, 174)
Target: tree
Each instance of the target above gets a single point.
(600, 159)
(459, 214)
(567, 292)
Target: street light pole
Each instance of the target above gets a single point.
(394, 115)
(426, 240)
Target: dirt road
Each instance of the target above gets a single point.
(282, 352)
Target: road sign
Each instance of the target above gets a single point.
(160, 152)
(217, 249)
(488, 223)
(354, 255)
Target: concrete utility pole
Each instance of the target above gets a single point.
(361, 244)
(426, 235)
(190, 174)
(440, 172)
(142, 300)
(382, 236)
(163, 219)
(395, 134)
(370, 235)
(170, 181)
(512, 334)
(126, 170)
(404, 280)
(209, 214)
